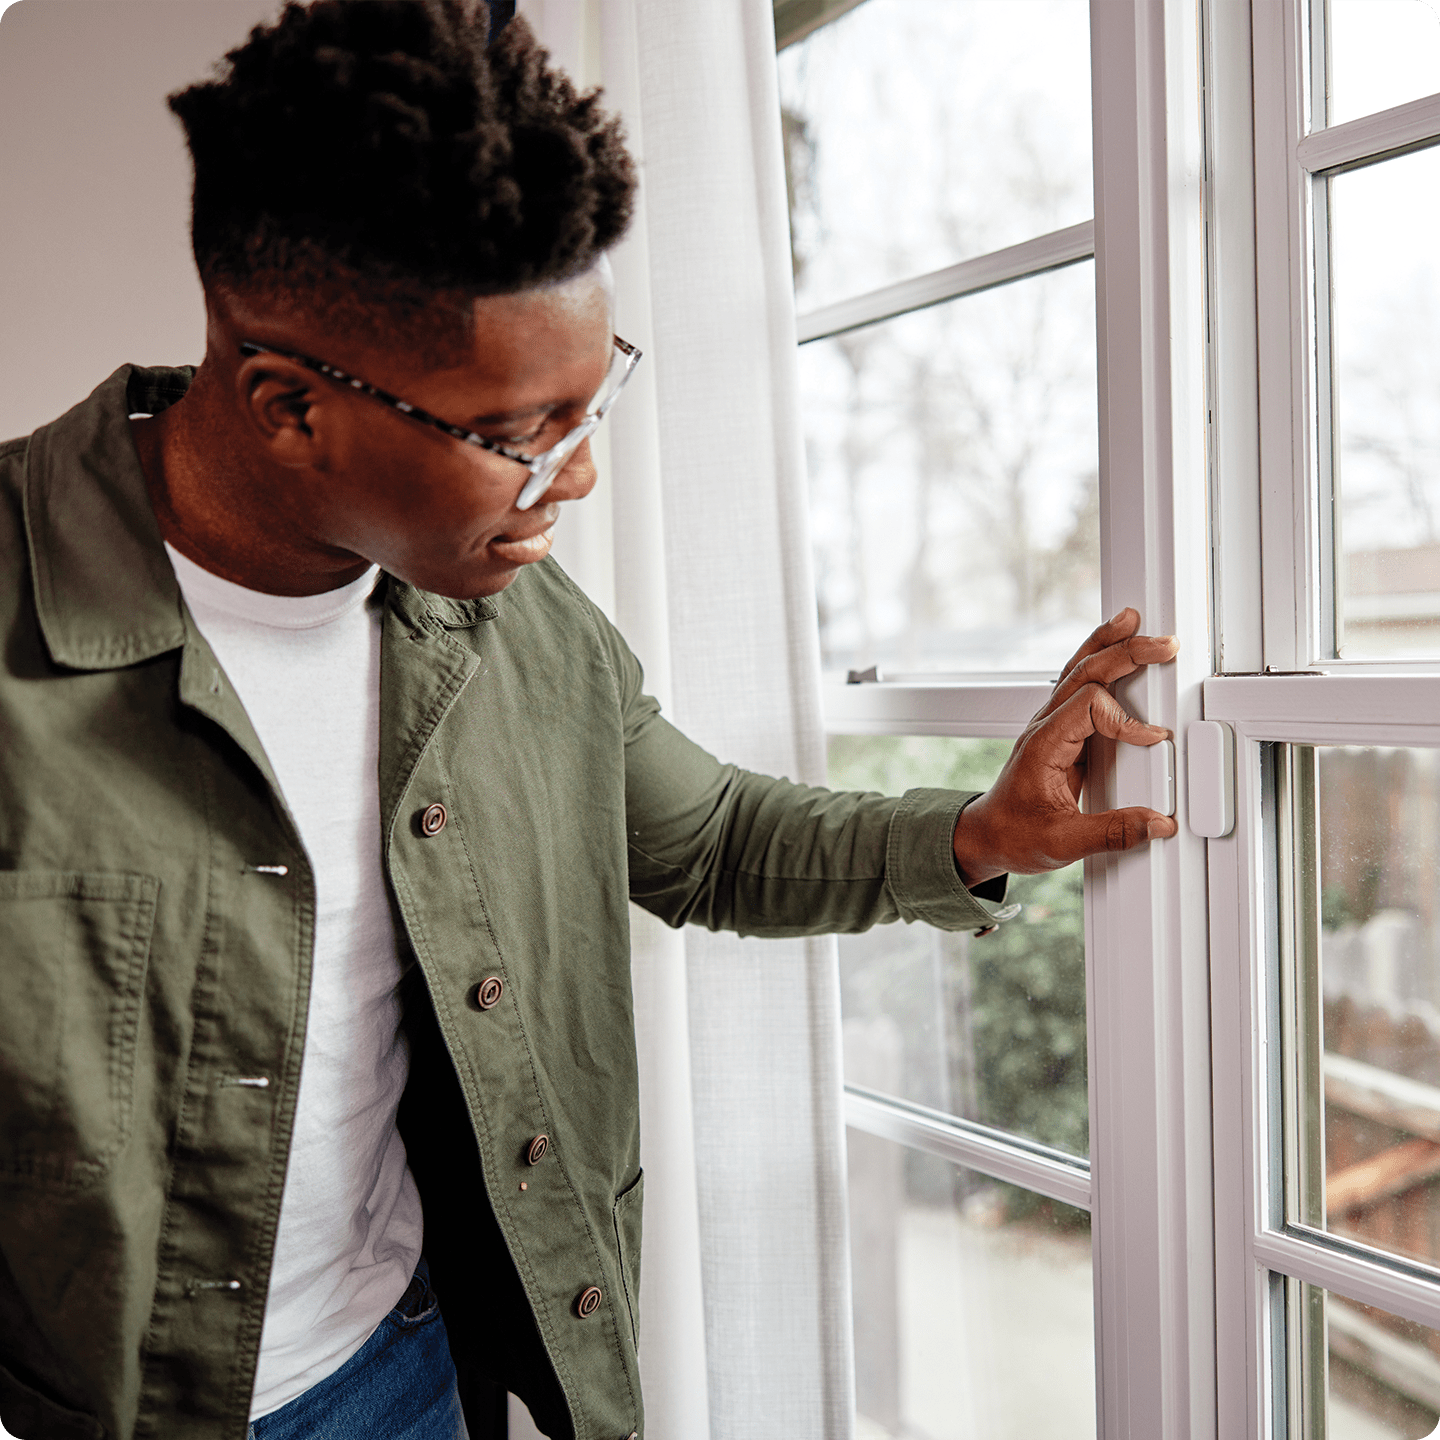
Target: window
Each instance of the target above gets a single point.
(1258, 1153)
(1323, 922)
(949, 392)
(948, 355)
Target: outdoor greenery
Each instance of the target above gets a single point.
(992, 1029)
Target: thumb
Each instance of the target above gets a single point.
(1114, 830)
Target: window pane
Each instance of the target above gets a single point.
(1373, 886)
(1386, 287)
(990, 1029)
(973, 1303)
(922, 132)
(1373, 1375)
(1382, 53)
(953, 456)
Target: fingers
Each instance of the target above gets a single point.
(1118, 627)
(1058, 740)
(1113, 831)
(1112, 720)
(1113, 651)
(1114, 662)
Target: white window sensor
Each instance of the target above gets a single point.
(1210, 763)
(1145, 775)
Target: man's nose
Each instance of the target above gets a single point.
(576, 479)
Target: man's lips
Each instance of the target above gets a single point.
(524, 549)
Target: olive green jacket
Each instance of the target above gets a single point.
(157, 913)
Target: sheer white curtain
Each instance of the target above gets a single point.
(696, 542)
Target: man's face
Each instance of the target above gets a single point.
(432, 509)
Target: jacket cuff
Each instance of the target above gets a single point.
(920, 864)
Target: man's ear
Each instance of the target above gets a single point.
(286, 409)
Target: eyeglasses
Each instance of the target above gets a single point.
(543, 467)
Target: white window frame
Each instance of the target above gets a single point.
(1212, 526)
(1253, 1242)
(1149, 1179)
(1292, 326)
(1277, 681)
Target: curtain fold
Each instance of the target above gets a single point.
(745, 1286)
(745, 1281)
(764, 1016)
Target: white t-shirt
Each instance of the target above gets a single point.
(307, 670)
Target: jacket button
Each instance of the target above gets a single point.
(589, 1302)
(538, 1146)
(432, 819)
(487, 993)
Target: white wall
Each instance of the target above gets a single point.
(95, 264)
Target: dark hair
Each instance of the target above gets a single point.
(382, 144)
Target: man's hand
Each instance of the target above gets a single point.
(1029, 820)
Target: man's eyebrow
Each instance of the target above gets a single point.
(508, 417)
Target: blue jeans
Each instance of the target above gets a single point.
(399, 1385)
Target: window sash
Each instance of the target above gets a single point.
(1205, 301)
(1148, 995)
(1254, 1244)
(1294, 154)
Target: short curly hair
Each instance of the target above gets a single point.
(387, 147)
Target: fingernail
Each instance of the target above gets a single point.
(1157, 830)
(1116, 617)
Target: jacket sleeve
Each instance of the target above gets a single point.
(733, 850)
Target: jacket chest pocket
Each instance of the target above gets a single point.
(73, 952)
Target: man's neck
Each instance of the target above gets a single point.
(217, 504)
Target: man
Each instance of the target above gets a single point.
(323, 793)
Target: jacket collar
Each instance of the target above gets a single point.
(105, 592)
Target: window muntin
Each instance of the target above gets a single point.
(1381, 53)
(1384, 284)
(973, 1302)
(953, 471)
(988, 1029)
(922, 132)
